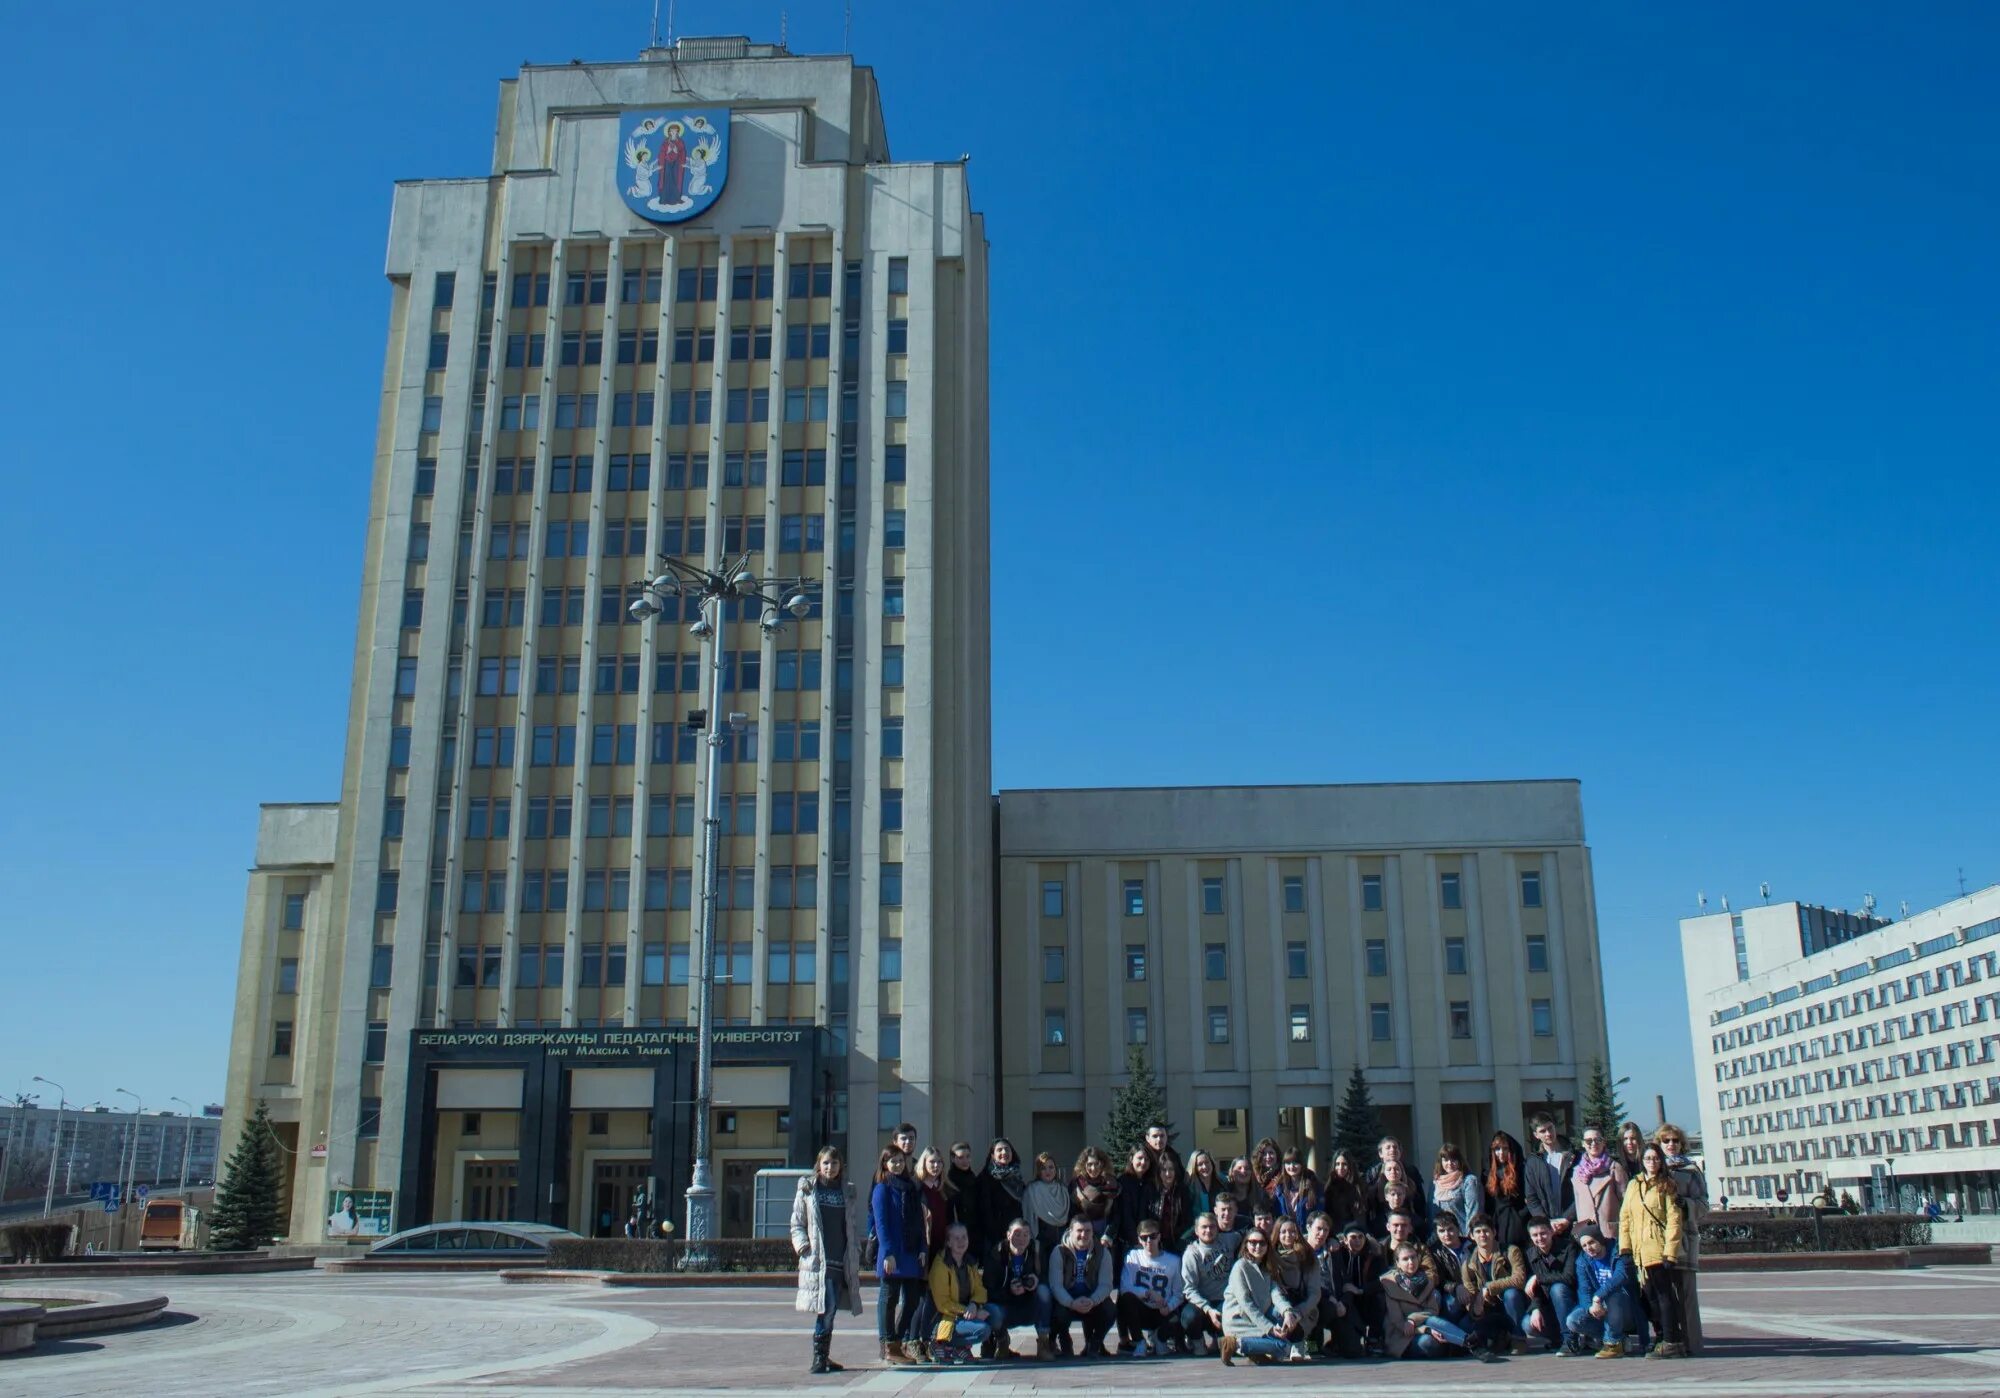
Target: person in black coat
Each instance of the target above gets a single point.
(997, 1195)
(1354, 1279)
(1551, 1258)
(1547, 1167)
(1506, 1191)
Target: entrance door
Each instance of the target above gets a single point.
(491, 1190)
(739, 1193)
(612, 1185)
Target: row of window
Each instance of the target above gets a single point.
(1381, 1023)
(798, 466)
(642, 285)
(610, 890)
(1449, 894)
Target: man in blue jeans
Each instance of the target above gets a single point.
(1016, 1292)
(1606, 1310)
(1551, 1278)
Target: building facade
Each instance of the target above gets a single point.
(1260, 942)
(94, 1144)
(467, 982)
(1836, 1049)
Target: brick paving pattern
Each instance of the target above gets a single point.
(1805, 1333)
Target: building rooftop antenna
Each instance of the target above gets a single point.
(1764, 891)
(847, 27)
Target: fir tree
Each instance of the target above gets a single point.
(1601, 1108)
(1134, 1107)
(246, 1206)
(1357, 1126)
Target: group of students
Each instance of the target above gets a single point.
(1587, 1251)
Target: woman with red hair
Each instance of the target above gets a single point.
(1506, 1192)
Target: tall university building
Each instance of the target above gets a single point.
(697, 310)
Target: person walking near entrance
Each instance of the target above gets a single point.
(827, 1225)
(897, 1206)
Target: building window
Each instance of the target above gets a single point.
(1296, 961)
(1218, 1024)
(1052, 898)
(1135, 1026)
(1211, 896)
(1531, 888)
(897, 399)
(1302, 1024)
(892, 808)
(295, 912)
(1742, 948)
(281, 1039)
(1054, 971)
(1135, 961)
(1225, 1118)
(1543, 1018)
(1215, 961)
(1448, 892)
(892, 958)
(1461, 1019)
(892, 885)
(288, 976)
(899, 276)
(1379, 1024)
(369, 1125)
(1378, 957)
(891, 1042)
(1295, 893)
(1055, 1028)
(381, 965)
(1371, 893)
(1135, 898)
(469, 1124)
(888, 1111)
(1538, 952)
(1454, 956)
(375, 1043)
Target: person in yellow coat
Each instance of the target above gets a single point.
(959, 1293)
(1652, 1229)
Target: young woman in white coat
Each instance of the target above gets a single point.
(828, 1221)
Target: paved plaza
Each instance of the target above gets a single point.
(1802, 1333)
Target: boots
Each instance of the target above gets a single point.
(892, 1353)
(1228, 1349)
(823, 1357)
(1003, 1345)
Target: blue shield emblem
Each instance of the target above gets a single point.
(671, 165)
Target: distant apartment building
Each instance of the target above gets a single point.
(1835, 1048)
(91, 1144)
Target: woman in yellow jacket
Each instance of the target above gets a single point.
(1652, 1229)
(959, 1293)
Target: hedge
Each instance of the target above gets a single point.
(653, 1255)
(1811, 1231)
(37, 1242)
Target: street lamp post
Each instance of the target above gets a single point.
(132, 1160)
(712, 592)
(187, 1138)
(55, 1143)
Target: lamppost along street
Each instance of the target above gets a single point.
(712, 595)
(55, 1144)
(187, 1138)
(131, 1162)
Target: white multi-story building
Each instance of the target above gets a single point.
(1838, 1049)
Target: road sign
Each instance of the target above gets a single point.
(140, 1191)
(101, 1190)
(111, 1204)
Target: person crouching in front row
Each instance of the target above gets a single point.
(1016, 1292)
(1259, 1320)
(1080, 1278)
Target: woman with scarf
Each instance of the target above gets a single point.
(1599, 1181)
(1204, 1183)
(1693, 1187)
(897, 1206)
(1506, 1191)
(1415, 1297)
(1166, 1199)
(1045, 1204)
(1296, 1194)
(1453, 1191)
(1652, 1232)
(997, 1197)
(1265, 1162)
(1093, 1193)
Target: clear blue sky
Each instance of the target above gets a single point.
(1402, 392)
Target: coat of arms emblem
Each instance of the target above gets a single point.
(672, 164)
